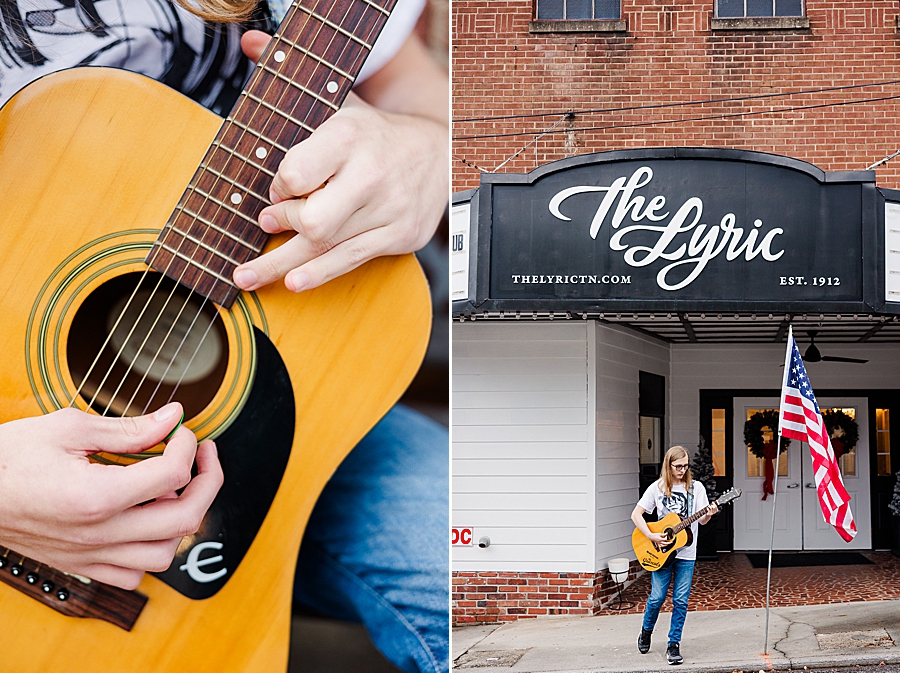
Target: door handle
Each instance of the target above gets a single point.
(794, 485)
(809, 484)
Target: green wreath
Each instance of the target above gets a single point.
(843, 431)
(753, 434)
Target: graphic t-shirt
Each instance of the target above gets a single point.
(655, 498)
(157, 38)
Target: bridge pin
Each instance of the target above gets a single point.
(31, 578)
(62, 594)
(16, 570)
(47, 586)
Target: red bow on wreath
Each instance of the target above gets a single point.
(770, 450)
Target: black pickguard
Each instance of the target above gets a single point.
(254, 452)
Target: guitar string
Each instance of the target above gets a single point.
(75, 396)
(209, 326)
(242, 166)
(186, 196)
(164, 239)
(279, 70)
(238, 179)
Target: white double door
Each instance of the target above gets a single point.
(799, 524)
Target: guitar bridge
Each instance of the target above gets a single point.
(69, 594)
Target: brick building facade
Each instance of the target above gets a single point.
(672, 78)
(822, 88)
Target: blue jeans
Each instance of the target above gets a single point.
(375, 549)
(680, 574)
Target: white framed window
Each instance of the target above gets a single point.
(577, 10)
(741, 9)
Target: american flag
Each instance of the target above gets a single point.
(801, 419)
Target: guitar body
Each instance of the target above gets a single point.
(92, 163)
(652, 557)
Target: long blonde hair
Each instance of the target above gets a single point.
(665, 478)
(220, 11)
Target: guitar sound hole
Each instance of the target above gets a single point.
(152, 336)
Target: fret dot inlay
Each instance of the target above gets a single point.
(235, 199)
(261, 152)
(279, 56)
(332, 87)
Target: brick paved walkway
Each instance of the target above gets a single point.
(733, 583)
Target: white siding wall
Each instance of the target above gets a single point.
(620, 356)
(521, 432)
(696, 367)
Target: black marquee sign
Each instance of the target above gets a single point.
(678, 229)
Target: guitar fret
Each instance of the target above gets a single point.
(203, 220)
(322, 19)
(232, 120)
(311, 55)
(246, 160)
(380, 9)
(280, 113)
(231, 181)
(201, 244)
(197, 264)
(223, 204)
(298, 86)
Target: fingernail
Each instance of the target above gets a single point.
(267, 223)
(245, 278)
(298, 281)
(166, 413)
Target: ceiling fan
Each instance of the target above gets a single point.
(812, 353)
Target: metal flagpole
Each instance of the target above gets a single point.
(787, 367)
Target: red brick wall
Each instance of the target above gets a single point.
(491, 597)
(669, 54)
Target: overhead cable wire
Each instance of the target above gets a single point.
(659, 106)
(565, 117)
(686, 120)
(883, 161)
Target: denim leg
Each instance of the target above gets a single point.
(375, 549)
(681, 592)
(659, 586)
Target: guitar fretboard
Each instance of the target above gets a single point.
(300, 81)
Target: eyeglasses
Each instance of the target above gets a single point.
(680, 467)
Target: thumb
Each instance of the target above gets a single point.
(253, 44)
(131, 434)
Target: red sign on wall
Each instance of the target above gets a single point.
(461, 537)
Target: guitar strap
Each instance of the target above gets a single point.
(690, 502)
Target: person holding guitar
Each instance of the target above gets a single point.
(372, 180)
(675, 491)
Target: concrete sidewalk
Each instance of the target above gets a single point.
(814, 636)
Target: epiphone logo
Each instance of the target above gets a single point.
(704, 242)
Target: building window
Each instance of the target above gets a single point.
(739, 9)
(718, 441)
(883, 441)
(577, 10)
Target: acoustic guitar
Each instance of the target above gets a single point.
(115, 282)
(678, 532)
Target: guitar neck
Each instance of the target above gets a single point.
(301, 80)
(691, 519)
